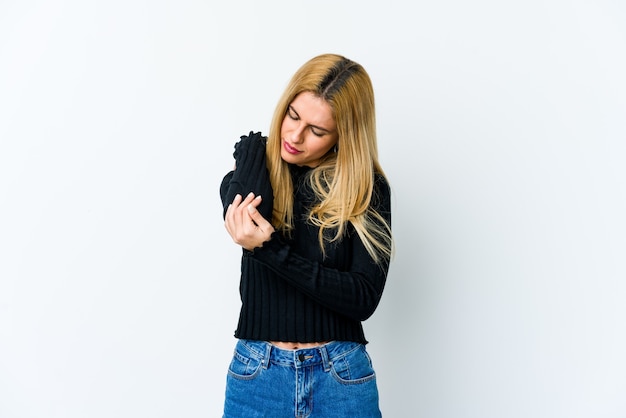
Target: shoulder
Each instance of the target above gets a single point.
(382, 188)
(381, 182)
(381, 195)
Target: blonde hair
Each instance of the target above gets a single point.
(343, 182)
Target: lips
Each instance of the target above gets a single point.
(290, 149)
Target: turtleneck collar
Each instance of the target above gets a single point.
(298, 171)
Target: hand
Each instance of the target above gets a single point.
(245, 224)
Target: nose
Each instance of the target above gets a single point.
(297, 135)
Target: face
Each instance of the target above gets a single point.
(308, 131)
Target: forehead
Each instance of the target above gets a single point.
(313, 110)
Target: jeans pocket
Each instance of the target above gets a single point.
(354, 367)
(244, 366)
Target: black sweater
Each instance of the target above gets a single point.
(289, 290)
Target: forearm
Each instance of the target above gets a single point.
(354, 293)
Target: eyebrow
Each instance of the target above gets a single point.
(290, 107)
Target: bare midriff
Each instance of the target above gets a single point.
(295, 346)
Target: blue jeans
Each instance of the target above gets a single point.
(331, 381)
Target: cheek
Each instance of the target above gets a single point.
(322, 147)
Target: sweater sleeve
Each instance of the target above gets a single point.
(353, 292)
(250, 174)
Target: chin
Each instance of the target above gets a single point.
(288, 158)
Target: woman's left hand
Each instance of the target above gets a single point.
(245, 224)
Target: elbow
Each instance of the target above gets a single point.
(367, 301)
(366, 310)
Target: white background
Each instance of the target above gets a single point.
(502, 130)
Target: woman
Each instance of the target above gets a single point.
(310, 206)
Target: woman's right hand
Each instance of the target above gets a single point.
(246, 226)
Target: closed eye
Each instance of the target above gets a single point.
(316, 133)
(292, 113)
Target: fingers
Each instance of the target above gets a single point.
(232, 220)
(256, 216)
(240, 204)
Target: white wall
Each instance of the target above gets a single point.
(502, 129)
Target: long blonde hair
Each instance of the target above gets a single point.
(344, 180)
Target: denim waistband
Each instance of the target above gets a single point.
(322, 355)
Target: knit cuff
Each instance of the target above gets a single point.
(273, 252)
(248, 151)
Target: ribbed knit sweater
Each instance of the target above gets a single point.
(289, 290)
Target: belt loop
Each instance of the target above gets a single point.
(266, 360)
(326, 361)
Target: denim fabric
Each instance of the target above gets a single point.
(334, 380)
